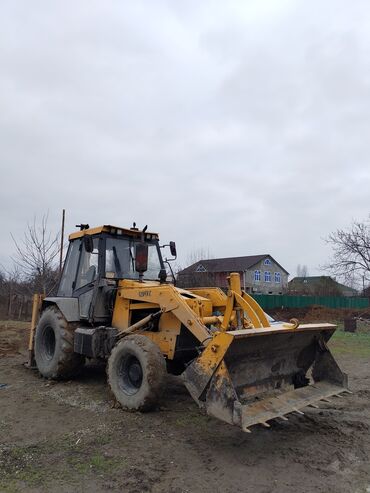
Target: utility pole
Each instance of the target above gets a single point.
(61, 243)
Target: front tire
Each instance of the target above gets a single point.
(54, 351)
(136, 373)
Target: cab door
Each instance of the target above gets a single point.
(67, 281)
(87, 277)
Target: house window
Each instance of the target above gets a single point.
(277, 277)
(267, 276)
(257, 275)
(267, 261)
(200, 268)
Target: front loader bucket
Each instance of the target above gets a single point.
(248, 377)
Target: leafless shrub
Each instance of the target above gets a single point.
(351, 253)
(36, 256)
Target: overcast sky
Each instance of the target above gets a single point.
(241, 127)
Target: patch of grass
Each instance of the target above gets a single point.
(32, 476)
(103, 464)
(9, 486)
(79, 464)
(193, 419)
(18, 453)
(91, 437)
(102, 439)
(14, 324)
(20, 466)
(97, 463)
(357, 344)
(61, 461)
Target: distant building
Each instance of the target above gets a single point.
(319, 286)
(258, 274)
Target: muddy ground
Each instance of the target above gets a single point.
(63, 437)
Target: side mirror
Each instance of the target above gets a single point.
(88, 243)
(173, 249)
(141, 257)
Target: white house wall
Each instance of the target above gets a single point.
(262, 286)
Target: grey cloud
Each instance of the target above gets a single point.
(242, 127)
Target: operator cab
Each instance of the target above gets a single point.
(98, 258)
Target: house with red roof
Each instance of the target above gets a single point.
(258, 274)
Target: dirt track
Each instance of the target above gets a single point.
(63, 437)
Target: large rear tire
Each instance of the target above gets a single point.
(54, 352)
(136, 373)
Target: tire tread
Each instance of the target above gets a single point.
(68, 362)
(155, 373)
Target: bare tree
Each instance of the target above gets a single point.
(3, 292)
(193, 277)
(197, 254)
(302, 270)
(13, 293)
(351, 253)
(36, 256)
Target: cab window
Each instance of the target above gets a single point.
(88, 267)
(120, 260)
(70, 268)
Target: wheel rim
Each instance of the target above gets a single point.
(130, 374)
(48, 347)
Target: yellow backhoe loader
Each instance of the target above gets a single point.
(114, 303)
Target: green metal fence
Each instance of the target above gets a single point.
(270, 301)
